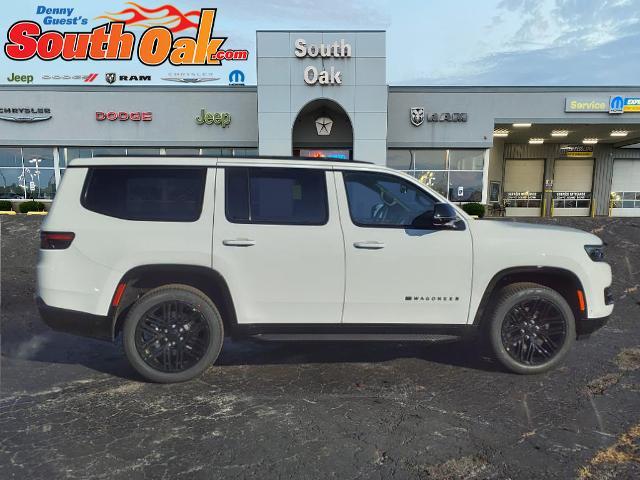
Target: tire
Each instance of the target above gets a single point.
(189, 344)
(524, 341)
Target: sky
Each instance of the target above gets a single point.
(429, 42)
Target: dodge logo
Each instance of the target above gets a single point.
(124, 116)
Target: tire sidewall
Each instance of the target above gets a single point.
(155, 297)
(503, 307)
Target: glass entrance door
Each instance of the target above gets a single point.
(333, 153)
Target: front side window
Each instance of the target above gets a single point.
(381, 200)
(285, 196)
(146, 194)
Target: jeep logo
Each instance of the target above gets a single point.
(20, 78)
(217, 118)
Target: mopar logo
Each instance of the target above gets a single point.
(616, 104)
(236, 77)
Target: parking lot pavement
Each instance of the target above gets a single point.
(73, 408)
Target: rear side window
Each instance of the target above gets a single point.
(286, 196)
(146, 194)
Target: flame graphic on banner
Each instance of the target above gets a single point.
(171, 17)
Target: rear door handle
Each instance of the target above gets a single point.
(239, 242)
(370, 245)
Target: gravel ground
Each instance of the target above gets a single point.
(73, 408)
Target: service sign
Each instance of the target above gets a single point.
(522, 195)
(572, 195)
(119, 42)
(586, 104)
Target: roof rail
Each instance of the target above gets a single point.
(251, 157)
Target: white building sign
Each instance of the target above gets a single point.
(312, 75)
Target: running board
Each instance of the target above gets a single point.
(354, 337)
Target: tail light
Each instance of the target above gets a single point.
(56, 240)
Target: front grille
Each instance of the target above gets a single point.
(608, 296)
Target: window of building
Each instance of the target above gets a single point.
(230, 152)
(466, 160)
(70, 153)
(276, 196)
(132, 152)
(465, 186)
(182, 151)
(455, 174)
(625, 199)
(429, 159)
(380, 200)
(399, 159)
(11, 186)
(27, 173)
(110, 151)
(146, 194)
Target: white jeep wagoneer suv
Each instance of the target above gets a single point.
(175, 253)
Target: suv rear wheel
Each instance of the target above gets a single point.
(531, 328)
(172, 334)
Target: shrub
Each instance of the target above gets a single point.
(31, 206)
(5, 206)
(476, 209)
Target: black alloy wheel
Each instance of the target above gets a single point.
(530, 327)
(172, 333)
(172, 336)
(534, 331)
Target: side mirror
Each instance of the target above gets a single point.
(444, 214)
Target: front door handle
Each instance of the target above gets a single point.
(239, 242)
(370, 245)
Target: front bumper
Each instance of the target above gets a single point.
(76, 323)
(586, 326)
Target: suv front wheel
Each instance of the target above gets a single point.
(172, 334)
(531, 328)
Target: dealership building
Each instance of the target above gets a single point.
(525, 151)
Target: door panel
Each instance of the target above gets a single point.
(572, 183)
(278, 243)
(399, 275)
(523, 187)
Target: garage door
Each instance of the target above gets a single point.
(625, 188)
(523, 187)
(572, 182)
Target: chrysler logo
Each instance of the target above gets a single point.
(324, 125)
(190, 79)
(25, 115)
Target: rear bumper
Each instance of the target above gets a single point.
(76, 323)
(586, 326)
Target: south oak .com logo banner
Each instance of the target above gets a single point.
(111, 41)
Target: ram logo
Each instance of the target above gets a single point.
(417, 116)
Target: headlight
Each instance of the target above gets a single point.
(595, 252)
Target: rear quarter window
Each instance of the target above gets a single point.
(145, 194)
